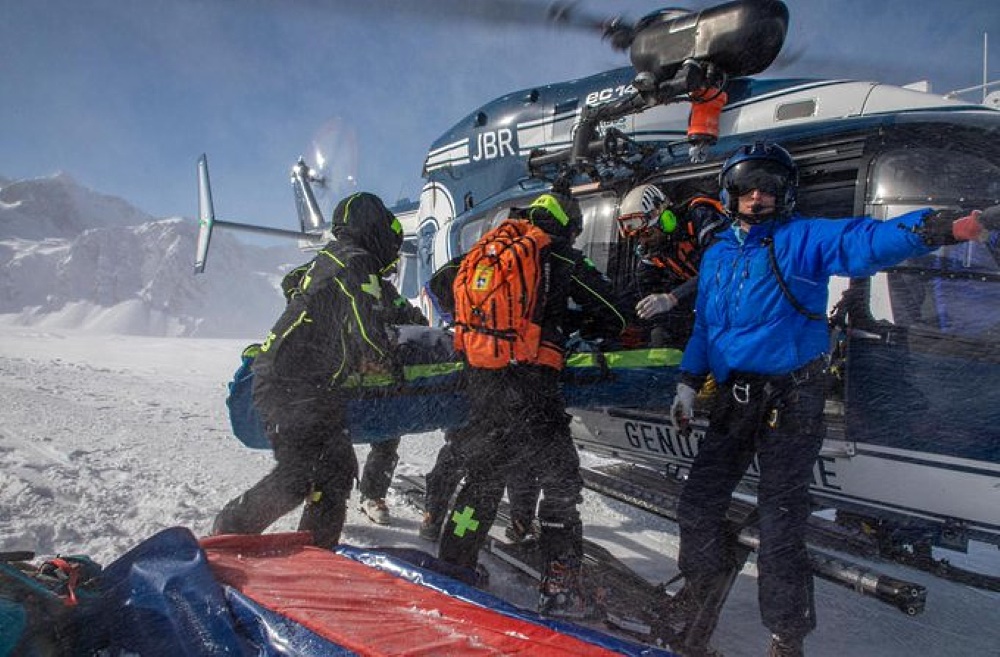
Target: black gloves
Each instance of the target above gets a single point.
(944, 227)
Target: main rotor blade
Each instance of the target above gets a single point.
(519, 13)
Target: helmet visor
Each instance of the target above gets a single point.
(761, 175)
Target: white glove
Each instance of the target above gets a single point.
(654, 304)
(682, 410)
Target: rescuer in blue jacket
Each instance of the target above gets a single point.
(761, 330)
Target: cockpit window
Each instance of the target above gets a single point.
(949, 289)
(931, 176)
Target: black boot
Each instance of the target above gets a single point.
(562, 593)
(430, 528)
(258, 508)
(324, 516)
(687, 620)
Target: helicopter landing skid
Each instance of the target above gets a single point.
(648, 490)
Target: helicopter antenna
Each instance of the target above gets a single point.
(986, 84)
(986, 43)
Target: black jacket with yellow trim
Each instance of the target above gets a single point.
(338, 320)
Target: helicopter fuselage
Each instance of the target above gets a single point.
(914, 434)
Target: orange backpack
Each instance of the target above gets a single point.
(499, 291)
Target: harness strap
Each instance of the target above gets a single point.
(742, 383)
(773, 260)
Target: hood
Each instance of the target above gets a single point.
(363, 219)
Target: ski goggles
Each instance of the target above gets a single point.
(639, 223)
(766, 177)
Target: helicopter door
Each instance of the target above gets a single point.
(929, 380)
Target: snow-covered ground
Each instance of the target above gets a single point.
(105, 440)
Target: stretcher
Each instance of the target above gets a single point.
(432, 396)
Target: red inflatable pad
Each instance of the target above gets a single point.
(369, 611)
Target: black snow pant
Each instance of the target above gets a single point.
(376, 477)
(780, 420)
(523, 489)
(445, 476)
(315, 463)
(517, 421)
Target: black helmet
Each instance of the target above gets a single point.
(556, 214)
(763, 166)
(363, 218)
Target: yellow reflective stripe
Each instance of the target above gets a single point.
(607, 303)
(343, 359)
(654, 357)
(410, 373)
(357, 317)
(331, 257)
(347, 208)
(303, 318)
(388, 267)
(271, 337)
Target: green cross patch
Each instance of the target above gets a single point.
(464, 521)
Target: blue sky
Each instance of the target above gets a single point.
(124, 95)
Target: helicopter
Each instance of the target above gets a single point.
(911, 461)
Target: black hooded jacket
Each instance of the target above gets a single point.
(336, 323)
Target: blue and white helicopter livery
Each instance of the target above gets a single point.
(912, 456)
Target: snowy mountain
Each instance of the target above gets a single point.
(73, 258)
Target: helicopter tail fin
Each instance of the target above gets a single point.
(310, 216)
(206, 215)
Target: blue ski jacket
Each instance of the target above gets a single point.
(743, 321)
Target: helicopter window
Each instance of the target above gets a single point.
(953, 290)
(472, 231)
(599, 229)
(407, 270)
(424, 257)
(797, 110)
(933, 177)
(948, 290)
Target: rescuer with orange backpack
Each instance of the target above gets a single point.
(511, 294)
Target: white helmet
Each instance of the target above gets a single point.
(642, 208)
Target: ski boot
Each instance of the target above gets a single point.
(681, 622)
(562, 593)
(376, 510)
